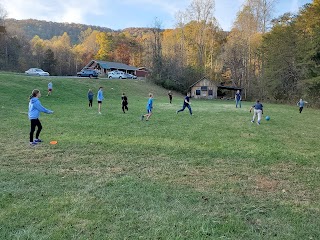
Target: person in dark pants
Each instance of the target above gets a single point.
(170, 96)
(300, 104)
(90, 97)
(238, 99)
(124, 102)
(186, 103)
(35, 108)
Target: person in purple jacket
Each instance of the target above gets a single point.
(35, 108)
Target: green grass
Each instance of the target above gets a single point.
(213, 175)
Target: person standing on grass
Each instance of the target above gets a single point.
(124, 102)
(258, 110)
(90, 97)
(300, 104)
(149, 108)
(100, 98)
(238, 99)
(170, 96)
(49, 88)
(186, 103)
(35, 108)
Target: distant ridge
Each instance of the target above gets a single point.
(47, 30)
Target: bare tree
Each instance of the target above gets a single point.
(201, 11)
(262, 11)
(156, 48)
(3, 15)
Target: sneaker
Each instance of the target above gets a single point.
(37, 140)
(252, 121)
(258, 123)
(142, 117)
(176, 112)
(99, 112)
(33, 143)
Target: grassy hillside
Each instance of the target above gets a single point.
(213, 175)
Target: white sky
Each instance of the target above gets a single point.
(127, 13)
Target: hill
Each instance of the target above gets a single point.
(47, 30)
(213, 175)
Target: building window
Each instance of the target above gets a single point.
(204, 88)
(198, 92)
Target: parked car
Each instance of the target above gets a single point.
(88, 73)
(36, 72)
(131, 76)
(117, 74)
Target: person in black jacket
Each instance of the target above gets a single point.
(124, 102)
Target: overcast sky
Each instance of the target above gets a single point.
(127, 13)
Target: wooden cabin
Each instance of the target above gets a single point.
(204, 89)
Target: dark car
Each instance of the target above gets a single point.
(88, 73)
(131, 76)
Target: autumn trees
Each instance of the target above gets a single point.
(270, 58)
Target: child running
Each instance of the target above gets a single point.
(300, 104)
(90, 97)
(186, 103)
(258, 110)
(100, 98)
(149, 108)
(124, 102)
(35, 108)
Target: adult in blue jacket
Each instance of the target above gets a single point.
(35, 108)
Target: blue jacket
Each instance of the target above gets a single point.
(100, 95)
(150, 103)
(258, 106)
(301, 103)
(35, 108)
(90, 95)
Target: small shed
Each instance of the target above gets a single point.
(204, 88)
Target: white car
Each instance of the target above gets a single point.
(36, 72)
(117, 74)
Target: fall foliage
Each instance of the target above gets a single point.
(276, 59)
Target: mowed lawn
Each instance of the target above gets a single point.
(213, 175)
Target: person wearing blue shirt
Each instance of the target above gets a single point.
(149, 108)
(100, 98)
(90, 97)
(237, 97)
(35, 108)
(258, 111)
(186, 103)
(300, 104)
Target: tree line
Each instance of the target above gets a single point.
(274, 59)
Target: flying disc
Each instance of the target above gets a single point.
(53, 142)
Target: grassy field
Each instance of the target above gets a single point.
(213, 175)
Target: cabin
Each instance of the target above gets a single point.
(104, 67)
(204, 89)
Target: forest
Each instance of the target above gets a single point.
(276, 59)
